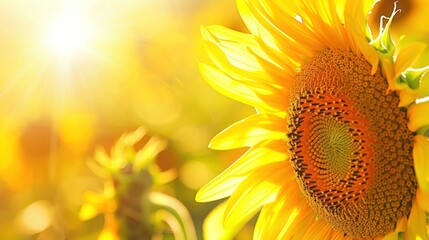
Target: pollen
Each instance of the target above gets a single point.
(350, 148)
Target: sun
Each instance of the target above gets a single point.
(58, 55)
(68, 34)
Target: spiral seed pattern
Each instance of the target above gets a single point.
(349, 144)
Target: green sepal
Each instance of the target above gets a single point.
(413, 76)
(423, 131)
(383, 43)
(165, 206)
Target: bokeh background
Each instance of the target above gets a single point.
(76, 75)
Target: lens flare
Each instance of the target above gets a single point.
(68, 34)
(36, 217)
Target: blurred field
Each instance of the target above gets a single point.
(76, 75)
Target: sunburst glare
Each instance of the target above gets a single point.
(68, 53)
(68, 34)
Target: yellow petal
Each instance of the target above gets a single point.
(273, 15)
(242, 50)
(401, 226)
(423, 199)
(276, 216)
(424, 86)
(235, 45)
(407, 56)
(249, 20)
(240, 57)
(319, 229)
(107, 234)
(271, 41)
(225, 183)
(88, 211)
(284, 18)
(218, 188)
(421, 161)
(326, 22)
(145, 156)
(299, 225)
(338, 236)
(110, 229)
(356, 21)
(407, 97)
(102, 158)
(359, 11)
(92, 206)
(367, 50)
(289, 65)
(283, 42)
(213, 228)
(418, 116)
(416, 228)
(132, 138)
(259, 188)
(232, 88)
(241, 68)
(250, 131)
(228, 86)
(387, 66)
(356, 13)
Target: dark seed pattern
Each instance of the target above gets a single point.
(350, 147)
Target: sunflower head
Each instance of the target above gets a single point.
(339, 145)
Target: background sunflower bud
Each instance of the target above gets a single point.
(130, 203)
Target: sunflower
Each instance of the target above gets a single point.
(338, 147)
(130, 203)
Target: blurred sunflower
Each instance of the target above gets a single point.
(132, 207)
(339, 145)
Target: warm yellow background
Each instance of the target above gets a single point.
(135, 65)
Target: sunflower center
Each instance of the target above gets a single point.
(331, 141)
(349, 144)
